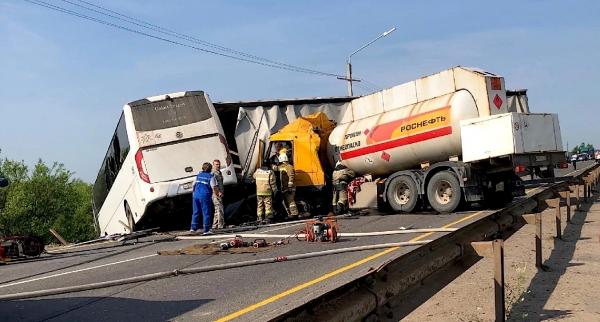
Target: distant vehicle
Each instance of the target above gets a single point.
(582, 157)
(158, 147)
(3, 182)
(574, 157)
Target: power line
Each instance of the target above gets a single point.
(144, 24)
(367, 89)
(103, 22)
(371, 85)
(176, 34)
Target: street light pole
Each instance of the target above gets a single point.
(349, 77)
(349, 62)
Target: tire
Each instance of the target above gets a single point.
(402, 194)
(444, 192)
(129, 216)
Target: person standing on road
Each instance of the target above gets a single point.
(342, 176)
(287, 174)
(217, 197)
(202, 199)
(265, 185)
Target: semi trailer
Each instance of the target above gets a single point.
(438, 141)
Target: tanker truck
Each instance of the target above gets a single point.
(447, 139)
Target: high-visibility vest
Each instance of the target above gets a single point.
(265, 182)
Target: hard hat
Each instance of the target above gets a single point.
(283, 157)
(283, 151)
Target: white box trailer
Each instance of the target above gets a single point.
(508, 134)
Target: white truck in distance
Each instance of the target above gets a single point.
(451, 137)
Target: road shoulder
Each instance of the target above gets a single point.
(568, 292)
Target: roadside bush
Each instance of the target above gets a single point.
(43, 198)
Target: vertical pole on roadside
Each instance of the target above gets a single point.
(498, 250)
(555, 203)
(577, 196)
(349, 77)
(495, 249)
(568, 196)
(536, 220)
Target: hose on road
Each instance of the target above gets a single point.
(203, 269)
(365, 234)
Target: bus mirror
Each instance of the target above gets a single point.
(3, 182)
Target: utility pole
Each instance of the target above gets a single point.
(349, 78)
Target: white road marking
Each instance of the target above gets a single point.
(76, 271)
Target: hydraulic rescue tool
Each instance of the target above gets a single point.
(320, 230)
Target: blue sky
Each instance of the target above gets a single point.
(64, 80)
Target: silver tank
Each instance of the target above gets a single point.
(405, 137)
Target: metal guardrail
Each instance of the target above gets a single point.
(409, 280)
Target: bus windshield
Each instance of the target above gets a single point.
(172, 112)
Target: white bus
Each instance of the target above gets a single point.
(158, 147)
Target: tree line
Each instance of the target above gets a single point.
(44, 197)
(583, 148)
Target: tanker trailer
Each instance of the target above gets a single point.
(446, 139)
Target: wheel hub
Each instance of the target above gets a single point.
(403, 194)
(443, 192)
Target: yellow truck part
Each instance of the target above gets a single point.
(308, 136)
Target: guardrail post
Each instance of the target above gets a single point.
(536, 219)
(589, 183)
(567, 196)
(586, 188)
(495, 249)
(577, 196)
(555, 204)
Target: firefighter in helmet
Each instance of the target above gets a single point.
(342, 176)
(265, 186)
(288, 189)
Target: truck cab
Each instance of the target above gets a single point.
(305, 143)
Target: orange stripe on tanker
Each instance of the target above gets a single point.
(411, 125)
(416, 128)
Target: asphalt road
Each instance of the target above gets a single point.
(247, 294)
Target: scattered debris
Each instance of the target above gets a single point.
(59, 237)
(213, 249)
(15, 247)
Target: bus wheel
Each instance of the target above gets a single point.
(402, 194)
(129, 216)
(444, 192)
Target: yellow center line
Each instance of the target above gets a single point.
(338, 271)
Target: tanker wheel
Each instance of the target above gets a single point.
(402, 194)
(444, 192)
(129, 216)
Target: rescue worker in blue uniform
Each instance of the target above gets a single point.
(202, 199)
